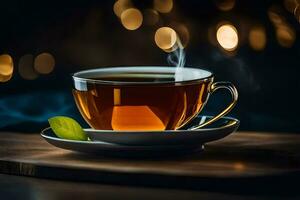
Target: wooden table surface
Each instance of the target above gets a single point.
(44, 189)
(251, 159)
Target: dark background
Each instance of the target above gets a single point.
(87, 34)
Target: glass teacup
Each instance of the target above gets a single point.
(144, 98)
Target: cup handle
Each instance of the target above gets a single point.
(234, 94)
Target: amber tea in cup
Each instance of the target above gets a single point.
(144, 98)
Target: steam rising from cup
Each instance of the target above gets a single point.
(168, 40)
(177, 59)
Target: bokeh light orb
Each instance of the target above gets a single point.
(44, 63)
(26, 69)
(297, 12)
(227, 37)
(290, 5)
(257, 38)
(286, 36)
(132, 18)
(275, 18)
(120, 6)
(225, 5)
(6, 67)
(165, 38)
(163, 6)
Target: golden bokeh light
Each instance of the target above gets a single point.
(297, 12)
(225, 5)
(257, 38)
(239, 166)
(174, 47)
(151, 17)
(5, 78)
(44, 63)
(293, 6)
(26, 69)
(275, 17)
(290, 5)
(120, 6)
(132, 18)
(6, 67)
(163, 6)
(227, 37)
(285, 33)
(286, 36)
(165, 38)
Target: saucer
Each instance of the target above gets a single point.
(103, 148)
(150, 143)
(217, 130)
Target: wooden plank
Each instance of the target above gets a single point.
(241, 156)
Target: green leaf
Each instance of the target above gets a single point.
(67, 128)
